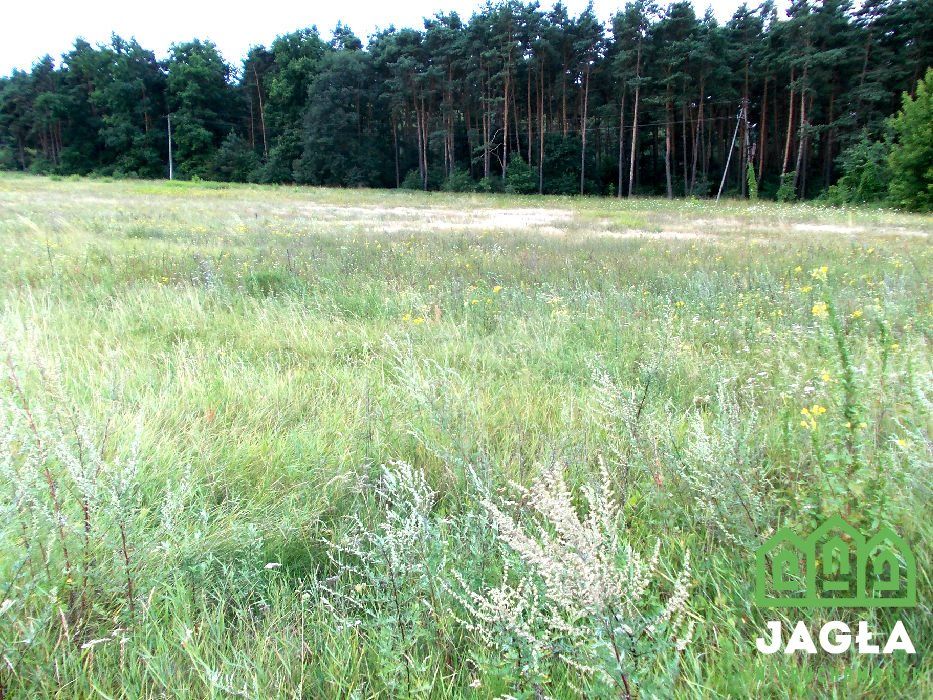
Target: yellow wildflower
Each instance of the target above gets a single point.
(819, 273)
(820, 309)
(810, 416)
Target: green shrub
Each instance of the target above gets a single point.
(460, 181)
(412, 181)
(7, 159)
(491, 184)
(752, 183)
(786, 191)
(41, 166)
(521, 178)
(911, 157)
(234, 161)
(268, 283)
(865, 173)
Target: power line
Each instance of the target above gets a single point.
(614, 129)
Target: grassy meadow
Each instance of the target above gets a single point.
(289, 442)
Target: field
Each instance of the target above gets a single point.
(291, 442)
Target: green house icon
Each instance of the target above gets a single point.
(835, 566)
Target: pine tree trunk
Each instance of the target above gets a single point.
(563, 89)
(398, 177)
(667, 148)
(541, 125)
(486, 136)
(469, 135)
(505, 125)
(252, 123)
(424, 135)
(147, 119)
(743, 158)
(621, 142)
(262, 114)
(683, 143)
(861, 83)
(762, 139)
(530, 133)
(451, 143)
(790, 125)
(421, 168)
(803, 124)
(515, 121)
(828, 150)
(586, 99)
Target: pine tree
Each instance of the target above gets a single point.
(132, 106)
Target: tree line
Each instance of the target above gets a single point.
(657, 101)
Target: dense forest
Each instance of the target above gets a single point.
(659, 101)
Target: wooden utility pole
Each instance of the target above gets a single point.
(631, 163)
(171, 173)
(735, 134)
(262, 114)
(586, 99)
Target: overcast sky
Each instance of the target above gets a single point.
(32, 28)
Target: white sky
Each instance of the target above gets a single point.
(32, 28)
